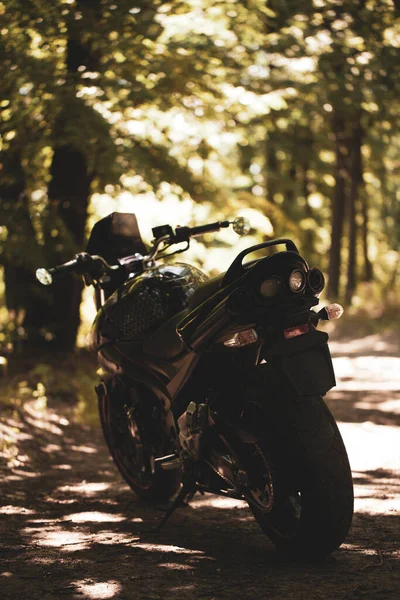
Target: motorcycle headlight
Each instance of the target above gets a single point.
(297, 281)
(271, 287)
(316, 280)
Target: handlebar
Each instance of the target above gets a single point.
(183, 234)
(82, 264)
(94, 266)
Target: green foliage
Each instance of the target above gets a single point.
(233, 104)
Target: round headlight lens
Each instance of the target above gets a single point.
(297, 281)
(271, 287)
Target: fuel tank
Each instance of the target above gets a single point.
(142, 304)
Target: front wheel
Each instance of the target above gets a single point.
(134, 434)
(312, 485)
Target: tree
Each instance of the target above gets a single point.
(80, 73)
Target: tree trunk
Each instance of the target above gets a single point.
(68, 197)
(15, 215)
(272, 171)
(20, 254)
(68, 193)
(338, 208)
(309, 234)
(368, 268)
(355, 172)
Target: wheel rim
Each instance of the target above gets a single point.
(135, 458)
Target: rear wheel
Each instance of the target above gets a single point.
(306, 465)
(133, 431)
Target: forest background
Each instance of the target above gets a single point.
(183, 112)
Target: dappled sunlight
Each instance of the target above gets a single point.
(63, 467)
(60, 500)
(359, 549)
(365, 344)
(389, 406)
(68, 541)
(21, 474)
(46, 521)
(16, 510)
(50, 448)
(208, 500)
(99, 590)
(366, 373)
(12, 430)
(94, 517)
(374, 454)
(13, 478)
(168, 548)
(371, 446)
(369, 500)
(84, 488)
(85, 449)
(176, 566)
(110, 537)
(44, 425)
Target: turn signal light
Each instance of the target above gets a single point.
(334, 311)
(242, 338)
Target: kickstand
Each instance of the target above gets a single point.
(186, 493)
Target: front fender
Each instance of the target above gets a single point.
(134, 375)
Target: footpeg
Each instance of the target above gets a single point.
(169, 462)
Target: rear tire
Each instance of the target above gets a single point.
(133, 431)
(312, 482)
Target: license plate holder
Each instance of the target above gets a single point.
(306, 362)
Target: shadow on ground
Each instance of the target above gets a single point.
(71, 529)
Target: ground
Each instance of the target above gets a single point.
(71, 529)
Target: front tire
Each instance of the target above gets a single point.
(313, 490)
(133, 431)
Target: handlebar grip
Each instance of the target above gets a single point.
(183, 234)
(201, 229)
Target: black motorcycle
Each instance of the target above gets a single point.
(215, 385)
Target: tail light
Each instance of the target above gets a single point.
(295, 331)
(297, 281)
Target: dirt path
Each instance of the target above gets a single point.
(71, 529)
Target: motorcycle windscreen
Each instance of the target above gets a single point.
(310, 371)
(116, 236)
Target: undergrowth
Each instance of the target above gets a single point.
(52, 380)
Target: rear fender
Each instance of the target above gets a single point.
(305, 361)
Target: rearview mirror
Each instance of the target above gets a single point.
(241, 226)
